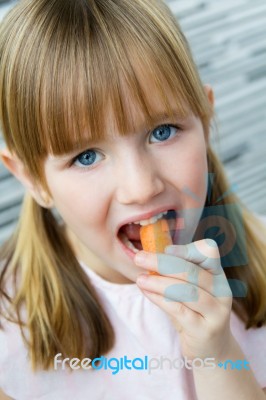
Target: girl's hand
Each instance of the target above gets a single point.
(190, 285)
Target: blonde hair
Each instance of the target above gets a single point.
(62, 64)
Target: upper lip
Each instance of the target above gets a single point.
(146, 215)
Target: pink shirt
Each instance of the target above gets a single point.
(141, 329)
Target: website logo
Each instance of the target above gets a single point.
(145, 363)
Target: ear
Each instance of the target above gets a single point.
(17, 168)
(210, 94)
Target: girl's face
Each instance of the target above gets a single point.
(120, 180)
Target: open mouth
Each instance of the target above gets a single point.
(129, 234)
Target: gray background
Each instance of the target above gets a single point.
(228, 40)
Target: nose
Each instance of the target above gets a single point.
(138, 182)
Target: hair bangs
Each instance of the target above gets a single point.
(102, 74)
(76, 63)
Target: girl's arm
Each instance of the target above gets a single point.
(192, 288)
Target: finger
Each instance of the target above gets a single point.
(165, 264)
(175, 267)
(175, 290)
(204, 253)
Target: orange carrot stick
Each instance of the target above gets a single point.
(155, 237)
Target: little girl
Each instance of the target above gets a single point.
(106, 124)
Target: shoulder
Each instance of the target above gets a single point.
(11, 340)
(3, 343)
(3, 350)
(13, 358)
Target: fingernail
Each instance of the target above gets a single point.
(141, 257)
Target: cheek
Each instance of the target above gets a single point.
(191, 173)
(198, 174)
(193, 185)
(75, 201)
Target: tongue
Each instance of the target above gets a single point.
(132, 231)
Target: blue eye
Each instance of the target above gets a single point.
(164, 132)
(86, 159)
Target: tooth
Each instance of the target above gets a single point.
(144, 222)
(127, 242)
(131, 246)
(153, 220)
